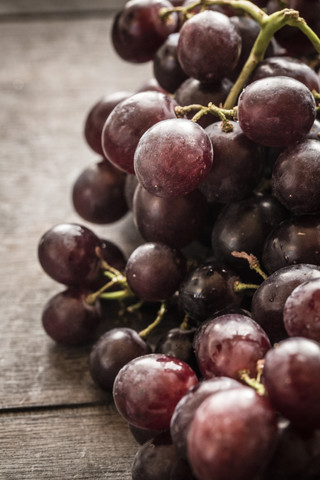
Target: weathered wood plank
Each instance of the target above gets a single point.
(10, 7)
(52, 73)
(83, 444)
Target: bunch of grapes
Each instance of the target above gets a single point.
(217, 159)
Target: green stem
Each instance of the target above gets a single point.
(240, 286)
(118, 295)
(252, 382)
(144, 333)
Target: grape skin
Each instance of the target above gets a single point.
(232, 436)
(209, 46)
(173, 157)
(301, 313)
(228, 344)
(67, 253)
(276, 111)
(291, 377)
(148, 388)
(68, 319)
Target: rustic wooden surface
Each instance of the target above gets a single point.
(54, 422)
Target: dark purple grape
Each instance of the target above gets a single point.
(296, 457)
(269, 299)
(154, 271)
(276, 111)
(138, 30)
(175, 221)
(290, 67)
(97, 117)
(207, 289)
(112, 254)
(178, 343)
(67, 253)
(68, 319)
(191, 91)
(295, 177)
(148, 388)
(143, 435)
(228, 344)
(186, 408)
(98, 193)
(237, 167)
(209, 46)
(130, 185)
(292, 39)
(173, 157)
(158, 459)
(226, 9)
(296, 240)
(243, 226)
(129, 120)
(232, 436)
(166, 66)
(301, 313)
(291, 376)
(112, 351)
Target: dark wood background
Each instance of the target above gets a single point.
(56, 61)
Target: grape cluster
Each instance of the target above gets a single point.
(217, 159)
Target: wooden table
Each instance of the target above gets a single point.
(56, 61)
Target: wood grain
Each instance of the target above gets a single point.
(84, 444)
(52, 73)
(29, 7)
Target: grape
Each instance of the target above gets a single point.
(97, 117)
(209, 46)
(288, 66)
(138, 30)
(67, 253)
(276, 111)
(130, 185)
(112, 351)
(232, 435)
(295, 240)
(143, 435)
(151, 85)
(243, 226)
(128, 121)
(154, 271)
(228, 344)
(148, 388)
(291, 376)
(297, 456)
(178, 343)
(301, 313)
(68, 319)
(237, 167)
(295, 177)
(269, 299)
(158, 459)
(98, 193)
(187, 406)
(166, 66)
(207, 289)
(173, 157)
(175, 221)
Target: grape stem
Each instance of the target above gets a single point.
(240, 286)
(254, 383)
(222, 113)
(253, 262)
(162, 310)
